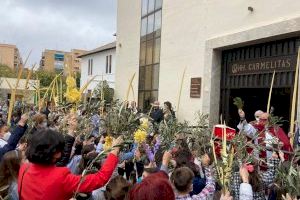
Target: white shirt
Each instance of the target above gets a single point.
(269, 140)
(2, 142)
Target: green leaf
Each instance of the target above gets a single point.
(238, 102)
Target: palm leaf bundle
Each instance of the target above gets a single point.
(224, 165)
(288, 177)
(238, 102)
(199, 136)
(120, 120)
(167, 131)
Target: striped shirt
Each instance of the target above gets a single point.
(207, 191)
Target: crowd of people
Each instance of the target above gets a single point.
(39, 162)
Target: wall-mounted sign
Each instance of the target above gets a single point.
(59, 57)
(263, 65)
(195, 90)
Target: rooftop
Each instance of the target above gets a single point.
(8, 45)
(100, 49)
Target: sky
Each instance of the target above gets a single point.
(56, 24)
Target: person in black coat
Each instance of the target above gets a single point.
(156, 114)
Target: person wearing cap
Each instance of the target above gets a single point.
(156, 114)
(257, 115)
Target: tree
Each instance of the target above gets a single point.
(9, 72)
(44, 77)
(78, 75)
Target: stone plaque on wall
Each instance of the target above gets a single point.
(195, 90)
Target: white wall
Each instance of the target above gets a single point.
(128, 47)
(186, 28)
(99, 69)
(28, 93)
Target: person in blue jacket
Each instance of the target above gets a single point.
(16, 135)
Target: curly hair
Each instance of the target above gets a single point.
(44, 145)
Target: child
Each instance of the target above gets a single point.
(182, 179)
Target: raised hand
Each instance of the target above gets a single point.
(241, 113)
(205, 160)
(115, 145)
(226, 196)
(23, 119)
(166, 158)
(244, 174)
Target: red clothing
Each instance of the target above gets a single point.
(275, 132)
(278, 133)
(57, 183)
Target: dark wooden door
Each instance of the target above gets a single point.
(247, 73)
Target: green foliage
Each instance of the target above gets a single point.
(275, 120)
(168, 130)
(238, 102)
(7, 71)
(288, 176)
(10, 73)
(108, 93)
(200, 135)
(120, 120)
(44, 77)
(240, 143)
(77, 76)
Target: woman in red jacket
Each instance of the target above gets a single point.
(42, 180)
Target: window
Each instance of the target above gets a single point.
(108, 64)
(59, 61)
(144, 27)
(90, 67)
(151, 6)
(155, 77)
(149, 53)
(157, 24)
(158, 4)
(156, 53)
(150, 24)
(143, 53)
(144, 7)
(110, 58)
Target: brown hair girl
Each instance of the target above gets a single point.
(9, 170)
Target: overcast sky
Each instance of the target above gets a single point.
(56, 24)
